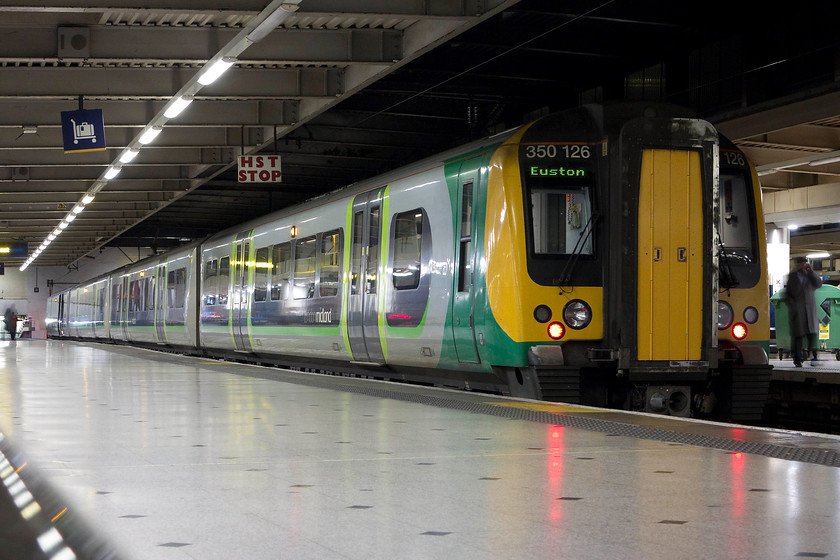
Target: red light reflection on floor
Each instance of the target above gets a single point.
(555, 471)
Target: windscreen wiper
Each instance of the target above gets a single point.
(568, 270)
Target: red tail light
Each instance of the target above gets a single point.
(739, 331)
(556, 330)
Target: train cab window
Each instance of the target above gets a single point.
(281, 259)
(408, 241)
(261, 267)
(224, 280)
(304, 283)
(211, 282)
(329, 260)
(177, 288)
(736, 218)
(738, 257)
(559, 218)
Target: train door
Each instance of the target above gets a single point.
(363, 307)
(240, 298)
(463, 288)
(160, 304)
(670, 252)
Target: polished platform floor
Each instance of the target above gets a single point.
(175, 457)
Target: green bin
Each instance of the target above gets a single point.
(828, 308)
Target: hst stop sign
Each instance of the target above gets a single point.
(259, 169)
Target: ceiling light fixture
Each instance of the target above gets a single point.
(150, 134)
(270, 23)
(129, 155)
(177, 106)
(112, 172)
(211, 74)
(87, 199)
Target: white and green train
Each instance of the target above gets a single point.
(606, 255)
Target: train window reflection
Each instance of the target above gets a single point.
(281, 259)
(304, 287)
(559, 218)
(224, 280)
(329, 259)
(261, 274)
(408, 240)
(211, 281)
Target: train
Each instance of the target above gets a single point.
(610, 255)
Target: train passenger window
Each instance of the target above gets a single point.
(150, 294)
(177, 288)
(224, 280)
(281, 259)
(261, 268)
(304, 284)
(116, 295)
(356, 256)
(329, 257)
(408, 241)
(134, 296)
(211, 282)
(560, 218)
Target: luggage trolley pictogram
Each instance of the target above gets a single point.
(83, 131)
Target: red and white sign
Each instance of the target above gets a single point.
(259, 169)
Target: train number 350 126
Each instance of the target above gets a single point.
(567, 151)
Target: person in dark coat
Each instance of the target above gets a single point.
(10, 318)
(802, 306)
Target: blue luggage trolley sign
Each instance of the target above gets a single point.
(83, 130)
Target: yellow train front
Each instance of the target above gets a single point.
(624, 259)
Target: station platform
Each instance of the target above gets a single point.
(175, 457)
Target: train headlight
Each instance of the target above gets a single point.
(725, 315)
(542, 313)
(751, 315)
(739, 331)
(556, 330)
(577, 314)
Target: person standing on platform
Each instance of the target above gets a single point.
(10, 317)
(802, 309)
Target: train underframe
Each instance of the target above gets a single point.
(736, 390)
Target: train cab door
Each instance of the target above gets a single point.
(160, 304)
(242, 278)
(363, 301)
(670, 251)
(463, 288)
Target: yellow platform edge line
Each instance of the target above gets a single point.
(556, 408)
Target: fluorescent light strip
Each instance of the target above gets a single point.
(177, 107)
(112, 172)
(150, 135)
(211, 74)
(129, 155)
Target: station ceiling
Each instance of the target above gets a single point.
(343, 90)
